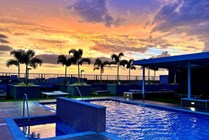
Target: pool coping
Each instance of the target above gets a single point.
(162, 107)
(136, 103)
(17, 134)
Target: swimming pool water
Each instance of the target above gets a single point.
(135, 122)
(47, 130)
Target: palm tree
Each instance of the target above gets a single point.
(65, 62)
(17, 54)
(130, 67)
(29, 59)
(77, 55)
(100, 65)
(117, 61)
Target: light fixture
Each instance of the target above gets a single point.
(192, 109)
(192, 103)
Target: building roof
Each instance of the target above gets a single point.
(180, 61)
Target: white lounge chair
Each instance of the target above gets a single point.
(54, 93)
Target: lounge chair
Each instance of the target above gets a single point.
(54, 93)
(3, 94)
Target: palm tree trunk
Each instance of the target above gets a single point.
(118, 73)
(129, 75)
(26, 75)
(18, 67)
(100, 75)
(65, 74)
(78, 73)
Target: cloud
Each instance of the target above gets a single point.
(49, 58)
(101, 58)
(3, 36)
(152, 42)
(3, 39)
(48, 41)
(52, 58)
(182, 13)
(4, 30)
(20, 34)
(206, 47)
(4, 48)
(17, 26)
(163, 54)
(94, 11)
(184, 17)
(105, 48)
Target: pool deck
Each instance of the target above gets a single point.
(14, 109)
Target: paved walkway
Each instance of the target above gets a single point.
(14, 109)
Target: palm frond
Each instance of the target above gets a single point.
(115, 58)
(130, 62)
(80, 52)
(35, 61)
(83, 60)
(112, 63)
(123, 63)
(106, 63)
(30, 53)
(62, 59)
(72, 51)
(73, 60)
(98, 62)
(133, 67)
(11, 62)
(17, 53)
(77, 54)
(96, 68)
(120, 55)
(70, 61)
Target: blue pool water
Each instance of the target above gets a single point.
(46, 130)
(135, 122)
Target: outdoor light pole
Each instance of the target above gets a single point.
(143, 82)
(81, 73)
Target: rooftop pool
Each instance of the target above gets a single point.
(139, 122)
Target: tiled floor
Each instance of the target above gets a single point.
(14, 109)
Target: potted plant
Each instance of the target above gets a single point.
(83, 88)
(33, 91)
(118, 88)
(78, 60)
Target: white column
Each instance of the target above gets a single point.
(189, 80)
(143, 82)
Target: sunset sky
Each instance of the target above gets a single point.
(138, 28)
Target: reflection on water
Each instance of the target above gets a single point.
(40, 131)
(136, 122)
(46, 130)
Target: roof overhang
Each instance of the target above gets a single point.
(180, 61)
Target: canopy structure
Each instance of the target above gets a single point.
(187, 61)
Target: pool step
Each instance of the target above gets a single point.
(88, 135)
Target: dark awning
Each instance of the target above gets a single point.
(180, 61)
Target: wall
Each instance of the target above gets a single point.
(82, 116)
